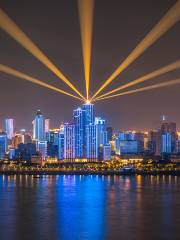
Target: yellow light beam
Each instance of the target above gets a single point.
(156, 73)
(169, 19)
(159, 85)
(26, 77)
(10, 27)
(86, 9)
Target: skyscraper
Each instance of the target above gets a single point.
(166, 143)
(107, 152)
(155, 142)
(91, 142)
(109, 133)
(42, 148)
(79, 121)
(52, 138)
(9, 128)
(100, 129)
(101, 134)
(39, 127)
(47, 123)
(61, 146)
(89, 113)
(88, 119)
(17, 139)
(69, 141)
(169, 127)
(3, 145)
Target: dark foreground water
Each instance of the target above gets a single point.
(89, 207)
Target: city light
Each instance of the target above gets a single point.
(159, 85)
(156, 73)
(168, 21)
(86, 8)
(10, 27)
(24, 76)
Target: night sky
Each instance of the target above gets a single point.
(119, 25)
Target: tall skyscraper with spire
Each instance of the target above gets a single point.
(84, 137)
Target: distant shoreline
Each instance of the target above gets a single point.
(105, 173)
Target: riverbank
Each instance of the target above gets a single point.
(105, 172)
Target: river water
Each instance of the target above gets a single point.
(89, 207)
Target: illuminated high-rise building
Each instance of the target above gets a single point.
(109, 133)
(79, 121)
(91, 142)
(42, 148)
(101, 134)
(17, 139)
(47, 124)
(9, 128)
(169, 127)
(155, 142)
(166, 143)
(61, 146)
(39, 127)
(61, 143)
(69, 141)
(107, 152)
(130, 142)
(52, 138)
(89, 113)
(3, 145)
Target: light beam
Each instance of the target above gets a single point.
(169, 20)
(159, 85)
(26, 77)
(156, 73)
(86, 8)
(10, 27)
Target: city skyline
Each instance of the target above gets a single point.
(89, 119)
(56, 124)
(125, 112)
(86, 137)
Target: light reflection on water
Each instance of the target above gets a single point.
(89, 207)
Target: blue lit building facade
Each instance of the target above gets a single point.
(9, 128)
(129, 143)
(166, 141)
(52, 138)
(69, 141)
(3, 145)
(42, 149)
(23, 152)
(91, 142)
(79, 122)
(101, 133)
(84, 138)
(39, 127)
(107, 152)
(61, 146)
(89, 113)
